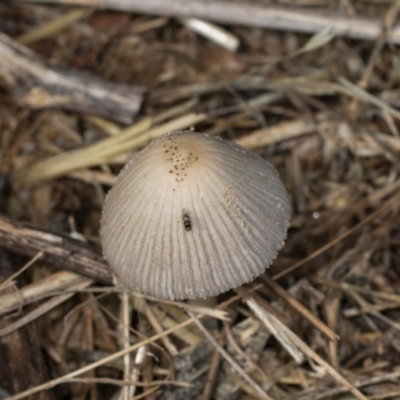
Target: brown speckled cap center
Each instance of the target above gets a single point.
(179, 160)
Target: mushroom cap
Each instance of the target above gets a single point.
(193, 216)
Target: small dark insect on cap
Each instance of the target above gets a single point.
(193, 216)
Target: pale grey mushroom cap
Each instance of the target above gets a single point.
(193, 216)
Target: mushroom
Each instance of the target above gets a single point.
(193, 216)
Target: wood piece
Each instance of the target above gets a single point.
(22, 363)
(63, 252)
(35, 83)
(247, 13)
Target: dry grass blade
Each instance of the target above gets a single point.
(280, 291)
(53, 27)
(212, 32)
(163, 321)
(319, 39)
(272, 323)
(363, 95)
(347, 286)
(358, 384)
(211, 312)
(109, 381)
(52, 285)
(281, 132)
(101, 152)
(367, 308)
(157, 327)
(44, 308)
(296, 342)
(385, 207)
(258, 389)
(212, 373)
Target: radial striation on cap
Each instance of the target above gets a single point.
(193, 216)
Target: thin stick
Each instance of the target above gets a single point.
(279, 290)
(282, 131)
(253, 366)
(158, 328)
(116, 382)
(363, 95)
(57, 283)
(250, 14)
(212, 373)
(273, 324)
(19, 272)
(228, 358)
(61, 251)
(212, 32)
(392, 376)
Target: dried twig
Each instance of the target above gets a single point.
(250, 14)
(36, 84)
(157, 327)
(212, 372)
(55, 284)
(63, 252)
(282, 131)
(4, 284)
